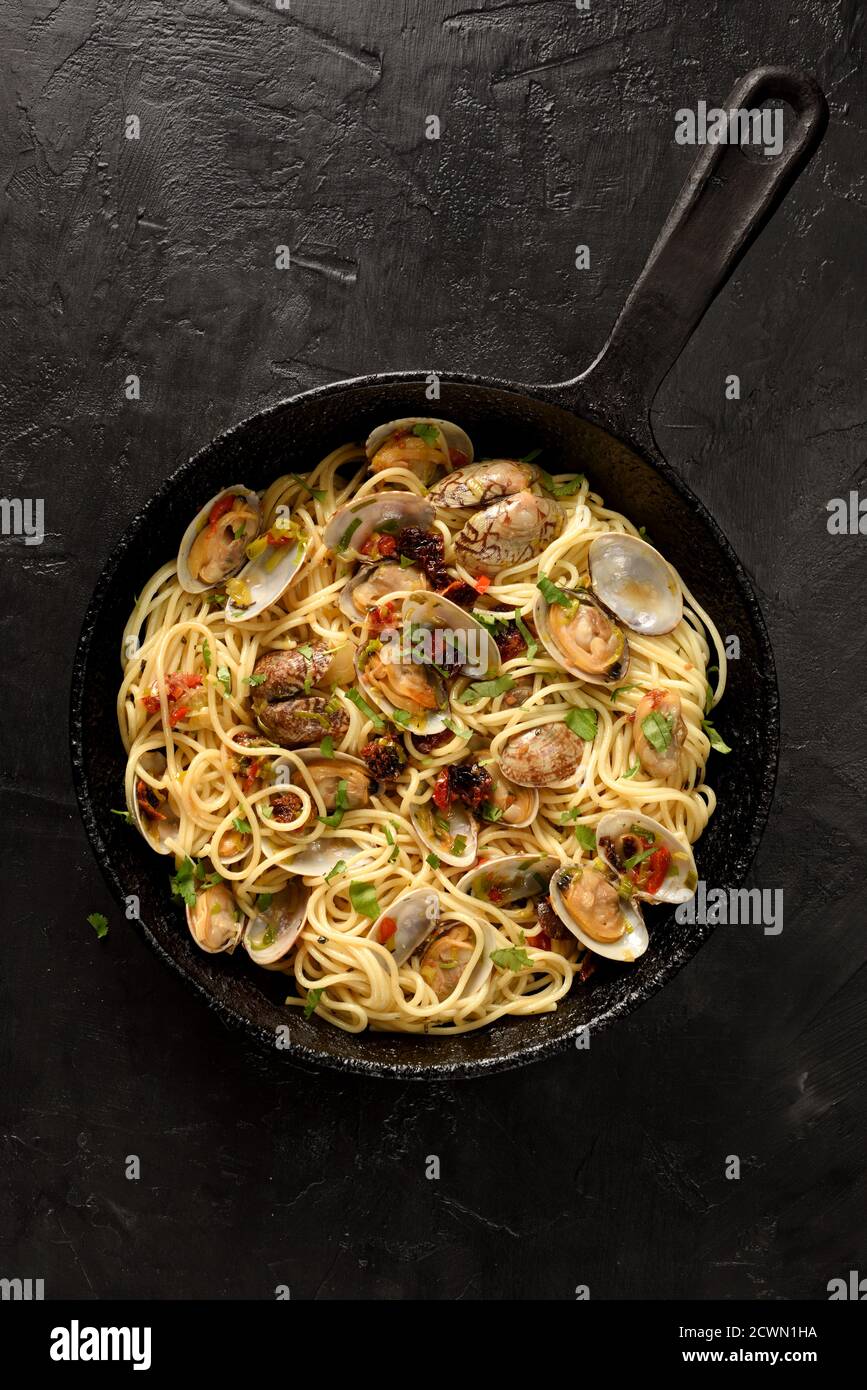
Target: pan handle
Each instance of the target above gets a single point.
(723, 205)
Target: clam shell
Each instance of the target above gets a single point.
(197, 914)
(544, 755)
(322, 855)
(347, 601)
(635, 583)
(530, 794)
(584, 672)
(455, 437)
(630, 946)
(287, 774)
(460, 823)
(431, 721)
(272, 933)
(158, 833)
(406, 508)
(268, 579)
(198, 523)
(416, 914)
(514, 877)
(423, 608)
(508, 532)
(483, 966)
(479, 484)
(678, 888)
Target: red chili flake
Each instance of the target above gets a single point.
(387, 546)
(279, 538)
(147, 800)
(483, 584)
(219, 510)
(459, 592)
(151, 703)
(387, 929)
(177, 715)
(442, 791)
(495, 894)
(541, 941)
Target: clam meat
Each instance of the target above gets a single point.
(581, 636)
(659, 733)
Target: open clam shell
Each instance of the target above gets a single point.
(624, 840)
(452, 835)
(151, 806)
(519, 805)
(447, 954)
(633, 939)
(544, 755)
(211, 551)
(514, 878)
(373, 584)
(271, 934)
(635, 583)
(454, 633)
(582, 636)
(414, 916)
(215, 920)
(266, 577)
(398, 685)
(479, 484)
(322, 855)
(327, 775)
(351, 526)
(449, 445)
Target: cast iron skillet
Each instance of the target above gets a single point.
(598, 422)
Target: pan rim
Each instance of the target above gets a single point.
(641, 441)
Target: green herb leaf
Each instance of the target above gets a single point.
(621, 690)
(487, 690)
(657, 729)
(532, 644)
(635, 859)
(632, 770)
(313, 1001)
(360, 703)
(343, 543)
(99, 924)
(206, 654)
(254, 680)
(341, 805)
(401, 717)
(642, 531)
(264, 901)
(552, 593)
(453, 728)
(242, 826)
(528, 458)
(567, 489)
(459, 844)
(586, 837)
(224, 676)
(512, 958)
(326, 747)
(568, 816)
(338, 869)
(491, 813)
(405, 562)
(306, 651)
(364, 900)
(429, 433)
(389, 837)
(314, 491)
(583, 722)
(183, 883)
(433, 860)
(126, 815)
(717, 742)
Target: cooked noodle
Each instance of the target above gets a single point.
(360, 984)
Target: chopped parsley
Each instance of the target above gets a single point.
(433, 860)
(99, 924)
(254, 680)
(342, 804)
(586, 837)
(206, 654)
(492, 813)
(532, 644)
(552, 593)
(454, 729)
(364, 900)
(716, 740)
(658, 730)
(401, 717)
(405, 562)
(487, 690)
(184, 882)
(635, 859)
(224, 676)
(306, 651)
(621, 690)
(326, 747)
(459, 844)
(264, 901)
(314, 491)
(632, 770)
(567, 489)
(126, 815)
(512, 958)
(343, 543)
(312, 1003)
(360, 703)
(242, 826)
(338, 869)
(582, 722)
(429, 433)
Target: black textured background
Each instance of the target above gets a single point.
(156, 257)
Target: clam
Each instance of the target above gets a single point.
(452, 835)
(581, 635)
(593, 905)
(390, 679)
(322, 855)
(278, 675)
(519, 805)
(152, 808)
(419, 444)
(457, 641)
(214, 544)
(546, 755)
(407, 923)
(215, 920)
(659, 866)
(328, 776)
(274, 559)
(508, 533)
(479, 484)
(659, 733)
(512, 879)
(351, 527)
(635, 583)
(448, 953)
(373, 583)
(302, 720)
(272, 933)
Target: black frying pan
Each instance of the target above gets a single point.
(599, 422)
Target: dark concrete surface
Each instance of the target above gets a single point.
(156, 257)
